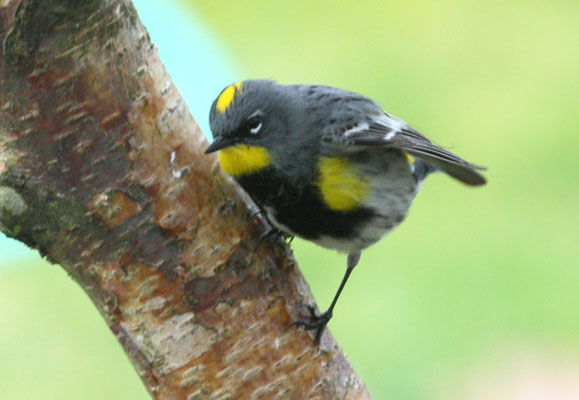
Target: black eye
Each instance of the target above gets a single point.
(254, 124)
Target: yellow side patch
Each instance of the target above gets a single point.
(243, 160)
(409, 158)
(226, 97)
(342, 187)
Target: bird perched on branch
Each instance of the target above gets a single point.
(325, 164)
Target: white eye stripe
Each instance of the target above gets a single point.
(256, 129)
(257, 113)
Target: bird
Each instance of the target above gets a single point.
(326, 165)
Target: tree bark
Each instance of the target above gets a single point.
(102, 170)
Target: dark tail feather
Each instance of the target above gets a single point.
(466, 173)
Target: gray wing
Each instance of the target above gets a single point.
(376, 128)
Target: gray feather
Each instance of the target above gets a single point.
(386, 131)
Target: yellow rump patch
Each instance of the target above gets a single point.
(243, 160)
(226, 97)
(342, 187)
(409, 158)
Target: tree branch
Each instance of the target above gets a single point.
(102, 170)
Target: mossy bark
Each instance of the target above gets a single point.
(102, 170)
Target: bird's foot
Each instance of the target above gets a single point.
(317, 322)
(269, 232)
(272, 232)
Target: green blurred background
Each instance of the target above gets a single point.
(476, 295)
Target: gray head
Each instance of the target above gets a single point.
(247, 113)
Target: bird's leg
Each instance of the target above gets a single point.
(269, 231)
(319, 322)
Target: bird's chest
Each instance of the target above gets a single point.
(271, 190)
(299, 207)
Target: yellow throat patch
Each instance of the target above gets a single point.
(341, 185)
(243, 160)
(226, 97)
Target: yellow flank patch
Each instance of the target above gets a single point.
(243, 160)
(408, 157)
(226, 97)
(342, 187)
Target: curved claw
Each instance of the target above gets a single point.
(268, 233)
(317, 322)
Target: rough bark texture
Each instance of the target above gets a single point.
(102, 171)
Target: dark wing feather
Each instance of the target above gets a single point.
(384, 130)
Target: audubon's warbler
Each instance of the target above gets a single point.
(325, 164)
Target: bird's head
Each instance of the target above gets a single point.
(247, 122)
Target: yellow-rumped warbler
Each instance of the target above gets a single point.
(325, 164)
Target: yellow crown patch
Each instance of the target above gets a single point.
(226, 97)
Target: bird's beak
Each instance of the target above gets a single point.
(218, 143)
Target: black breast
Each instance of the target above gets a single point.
(298, 206)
